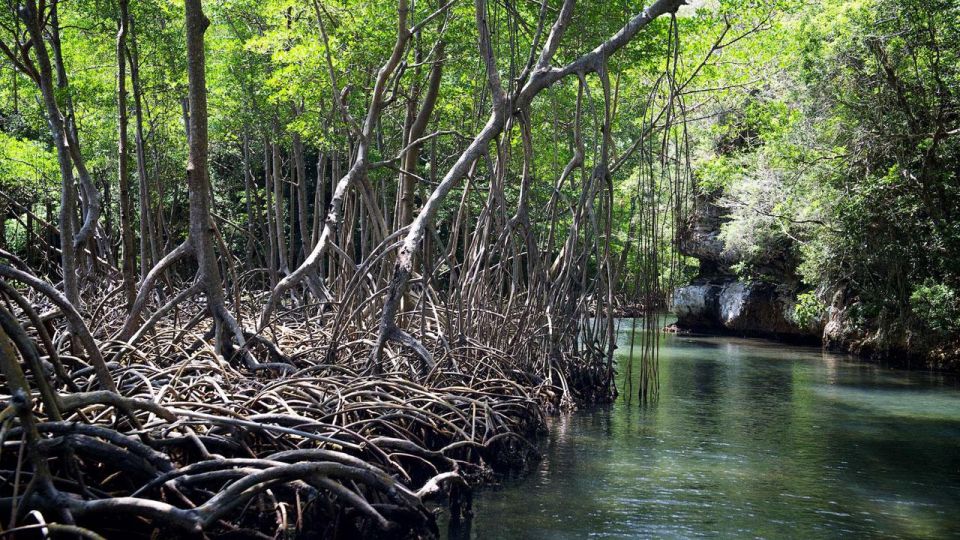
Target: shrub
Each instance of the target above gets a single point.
(809, 310)
(937, 307)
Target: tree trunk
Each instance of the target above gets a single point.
(128, 267)
(90, 196)
(302, 208)
(108, 215)
(31, 18)
(252, 221)
(411, 157)
(278, 219)
(149, 253)
(271, 222)
(198, 175)
(319, 199)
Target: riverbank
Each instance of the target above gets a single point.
(768, 299)
(885, 347)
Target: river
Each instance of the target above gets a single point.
(748, 439)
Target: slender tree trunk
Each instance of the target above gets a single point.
(128, 268)
(228, 333)
(278, 209)
(198, 175)
(149, 252)
(90, 196)
(290, 189)
(303, 211)
(404, 205)
(108, 216)
(336, 172)
(252, 224)
(411, 157)
(319, 199)
(51, 234)
(31, 18)
(271, 222)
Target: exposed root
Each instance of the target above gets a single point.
(193, 442)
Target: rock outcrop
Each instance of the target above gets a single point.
(718, 302)
(747, 308)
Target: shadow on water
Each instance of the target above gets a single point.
(748, 439)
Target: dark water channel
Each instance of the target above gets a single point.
(749, 439)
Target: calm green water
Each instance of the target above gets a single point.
(748, 439)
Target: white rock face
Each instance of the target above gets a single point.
(693, 301)
(696, 305)
(741, 307)
(733, 302)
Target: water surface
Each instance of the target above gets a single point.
(748, 439)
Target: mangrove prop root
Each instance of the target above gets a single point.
(192, 441)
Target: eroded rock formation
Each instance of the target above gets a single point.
(720, 302)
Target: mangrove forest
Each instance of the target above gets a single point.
(303, 269)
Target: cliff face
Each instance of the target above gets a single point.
(718, 302)
(702, 241)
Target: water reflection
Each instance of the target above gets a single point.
(748, 439)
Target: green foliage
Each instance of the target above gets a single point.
(809, 310)
(26, 165)
(937, 306)
(827, 129)
(842, 162)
